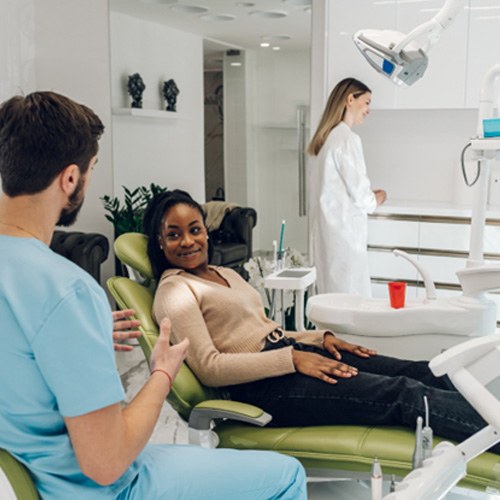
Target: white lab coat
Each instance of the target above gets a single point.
(340, 197)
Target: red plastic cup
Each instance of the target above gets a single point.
(397, 292)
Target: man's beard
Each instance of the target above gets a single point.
(70, 212)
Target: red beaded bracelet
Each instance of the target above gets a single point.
(160, 370)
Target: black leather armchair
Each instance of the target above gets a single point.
(232, 242)
(88, 250)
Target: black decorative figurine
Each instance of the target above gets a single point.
(136, 87)
(170, 92)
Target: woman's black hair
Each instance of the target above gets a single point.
(152, 221)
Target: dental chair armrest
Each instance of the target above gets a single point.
(473, 352)
(203, 413)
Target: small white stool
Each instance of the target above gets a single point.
(297, 279)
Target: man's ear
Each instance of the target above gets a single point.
(69, 178)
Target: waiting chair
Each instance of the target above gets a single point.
(342, 451)
(15, 480)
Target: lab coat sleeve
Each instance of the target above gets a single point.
(176, 301)
(351, 167)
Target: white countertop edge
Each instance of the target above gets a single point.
(438, 208)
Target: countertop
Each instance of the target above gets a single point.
(436, 208)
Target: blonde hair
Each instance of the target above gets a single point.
(335, 110)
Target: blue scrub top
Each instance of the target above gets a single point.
(56, 359)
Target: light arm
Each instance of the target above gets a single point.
(403, 58)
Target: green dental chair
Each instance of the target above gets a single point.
(15, 480)
(325, 451)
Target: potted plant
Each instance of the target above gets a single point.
(127, 217)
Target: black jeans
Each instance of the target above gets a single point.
(386, 391)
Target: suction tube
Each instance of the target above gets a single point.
(430, 288)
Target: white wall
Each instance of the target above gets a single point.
(415, 155)
(17, 47)
(167, 151)
(63, 46)
(277, 84)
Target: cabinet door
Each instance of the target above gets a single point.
(344, 59)
(393, 233)
(386, 265)
(442, 236)
(443, 84)
(442, 269)
(484, 45)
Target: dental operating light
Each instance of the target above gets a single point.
(403, 58)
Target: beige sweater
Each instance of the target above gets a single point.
(226, 327)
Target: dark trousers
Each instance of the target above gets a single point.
(386, 391)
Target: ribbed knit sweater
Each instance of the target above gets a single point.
(226, 327)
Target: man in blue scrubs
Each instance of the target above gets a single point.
(61, 410)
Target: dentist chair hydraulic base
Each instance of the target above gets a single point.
(330, 451)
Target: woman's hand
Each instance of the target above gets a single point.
(165, 356)
(334, 345)
(124, 329)
(380, 196)
(315, 365)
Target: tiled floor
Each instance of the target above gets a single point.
(171, 429)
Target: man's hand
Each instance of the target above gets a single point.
(165, 356)
(124, 329)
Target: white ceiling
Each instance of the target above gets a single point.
(246, 30)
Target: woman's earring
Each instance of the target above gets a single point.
(208, 237)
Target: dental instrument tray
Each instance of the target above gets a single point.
(291, 278)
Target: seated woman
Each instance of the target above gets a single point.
(300, 378)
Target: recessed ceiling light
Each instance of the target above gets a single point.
(276, 47)
(268, 14)
(265, 44)
(217, 17)
(275, 38)
(163, 2)
(298, 2)
(235, 63)
(189, 9)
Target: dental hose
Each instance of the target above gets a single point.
(464, 173)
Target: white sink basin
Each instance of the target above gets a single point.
(420, 330)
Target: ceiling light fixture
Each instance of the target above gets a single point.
(217, 17)
(189, 9)
(298, 2)
(276, 47)
(275, 38)
(159, 2)
(268, 14)
(265, 44)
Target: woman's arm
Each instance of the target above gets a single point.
(351, 167)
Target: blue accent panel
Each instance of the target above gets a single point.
(387, 67)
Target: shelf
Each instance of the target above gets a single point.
(145, 113)
(486, 144)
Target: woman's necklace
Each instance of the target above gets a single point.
(21, 229)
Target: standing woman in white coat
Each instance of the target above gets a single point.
(340, 195)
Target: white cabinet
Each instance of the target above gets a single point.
(439, 243)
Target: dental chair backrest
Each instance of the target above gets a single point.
(130, 248)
